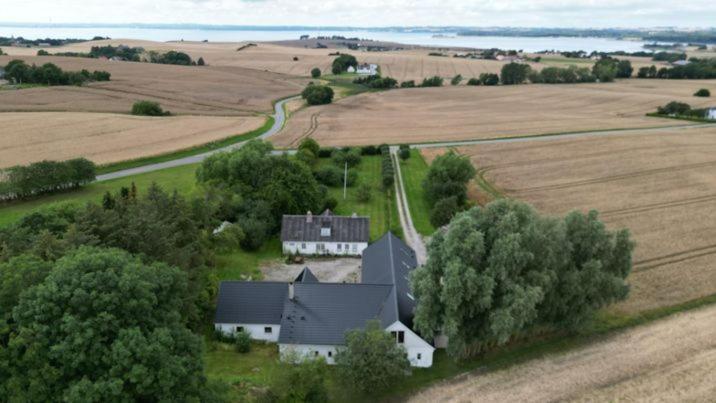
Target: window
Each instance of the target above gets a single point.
(340, 246)
(303, 246)
(355, 248)
(420, 356)
(330, 353)
(315, 353)
(346, 247)
(239, 329)
(268, 329)
(401, 337)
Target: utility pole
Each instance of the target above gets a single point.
(345, 180)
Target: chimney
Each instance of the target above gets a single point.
(309, 217)
(354, 215)
(291, 292)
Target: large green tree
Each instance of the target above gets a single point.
(514, 73)
(448, 176)
(371, 361)
(103, 326)
(501, 269)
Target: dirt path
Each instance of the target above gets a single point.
(670, 360)
(412, 237)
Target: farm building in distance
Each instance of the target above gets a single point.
(310, 318)
(711, 113)
(368, 69)
(325, 234)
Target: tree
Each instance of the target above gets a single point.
(514, 73)
(407, 84)
(243, 342)
(473, 81)
(703, 92)
(434, 81)
(118, 334)
(674, 108)
(605, 69)
(315, 72)
(624, 69)
(317, 94)
(372, 361)
(342, 62)
(200, 62)
(456, 80)
(501, 269)
(448, 176)
(489, 79)
(148, 108)
(301, 380)
(443, 211)
(311, 145)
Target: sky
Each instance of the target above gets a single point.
(371, 13)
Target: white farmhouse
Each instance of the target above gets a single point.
(711, 113)
(312, 318)
(325, 234)
(367, 69)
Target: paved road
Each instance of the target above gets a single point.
(412, 237)
(279, 120)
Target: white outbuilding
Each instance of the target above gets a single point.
(325, 234)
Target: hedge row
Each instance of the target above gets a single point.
(23, 181)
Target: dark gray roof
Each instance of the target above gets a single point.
(259, 302)
(389, 260)
(307, 228)
(306, 276)
(321, 313)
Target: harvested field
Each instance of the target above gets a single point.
(209, 90)
(659, 185)
(103, 138)
(460, 113)
(672, 360)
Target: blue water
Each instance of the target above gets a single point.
(527, 44)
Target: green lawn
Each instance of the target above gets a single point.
(180, 178)
(413, 171)
(223, 363)
(382, 208)
(242, 264)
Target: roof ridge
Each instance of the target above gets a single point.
(392, 274)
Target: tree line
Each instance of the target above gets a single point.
(695, 69)
(19, 72)
(44, 177)
(135, 54)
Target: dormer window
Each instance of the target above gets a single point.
(326, 231)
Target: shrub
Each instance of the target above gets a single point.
(317, 94)
(300, 380)
(404, 152)
(201, 62)
(43, 52)
(311, 145)
(703, 92)
(489, 79)
(315, 72)
(387, 170)
(331, 204)
(364, 193)
(369, 150)
(332, 176)
(243, 342)
(473, 81)
(434, 81)
(256, 232)
(456, 80)
(674, 108)
(306, 156)
(443, 211)
(376, 81)
(148, 108)
(326, 152)
(407, 84)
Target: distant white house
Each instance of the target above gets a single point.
(367, 69)
(325, 234)
(711, 113)
(310, 319)
(511, 59)
(680, 63)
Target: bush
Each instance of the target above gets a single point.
(456, 80)
(443, 211)
(300, 380)
(387, 170)
(703, 92)
(364, 193)
(315, 72)
(331, 204)
(377, 82)
(148, 108)
(201, 62)
(317, 94)
(674, 108)
(473, 81)
(369, 150)
(43, 52)
(404, 152)
(243, 342)
(311, 145)
(489, 79)
(256, 232)
(332, 176)
(407, 84)
(326, 152)
(306, 156)
(434, 81)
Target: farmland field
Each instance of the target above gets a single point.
(459, 113)
(208, 90)
(660, 186)
(105, 137)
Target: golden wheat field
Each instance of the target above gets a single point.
(671, 360)
(417, 115)
(103, 137)
(209, 90)
(660, 185)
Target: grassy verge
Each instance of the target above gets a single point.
(413, 171)
(344, 86)
(240, 264)
(180, 178)
(381, 208)
(187, 152)
(603, 324)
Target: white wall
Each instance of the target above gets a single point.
(309, 351)
(257, 331)
(415, 346)
(711, 114)
(330, 248)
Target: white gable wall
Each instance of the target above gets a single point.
(420, 352)
(327, 248)
(256, 331)
(711, 114)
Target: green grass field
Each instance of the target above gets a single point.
(381, 208)
(240, 264)
(240, 371)
(180, 178)
(414, 170)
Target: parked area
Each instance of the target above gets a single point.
(343, 270)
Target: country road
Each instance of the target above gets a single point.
(411, 235)
(279, 121)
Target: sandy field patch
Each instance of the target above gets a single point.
(208, 90)
(460, 113)
(343, 270)
(672, 360)
(659, 185)
(103, 137)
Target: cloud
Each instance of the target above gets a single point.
(563, 13)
